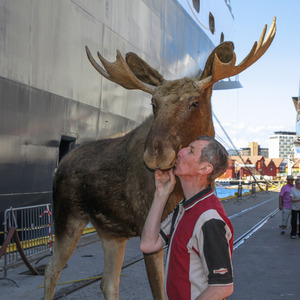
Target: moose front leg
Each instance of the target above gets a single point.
(155, 270)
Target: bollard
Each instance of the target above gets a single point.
(240, 190)
(253, 190)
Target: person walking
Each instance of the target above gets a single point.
(198, 232)
(285, 202)
(295, 196)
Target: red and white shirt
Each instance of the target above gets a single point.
(200, 239)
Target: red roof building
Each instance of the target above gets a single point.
(240, 166)
(277, 162)
(269, 168)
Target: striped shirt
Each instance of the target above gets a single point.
(200, 239)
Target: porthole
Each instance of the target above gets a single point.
(211, 23)
(222, 38)
(196, 4)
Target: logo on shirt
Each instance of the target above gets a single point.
(221, 271)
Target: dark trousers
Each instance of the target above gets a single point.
(295, 213)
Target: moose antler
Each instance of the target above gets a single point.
(119, 72)
(223, 70)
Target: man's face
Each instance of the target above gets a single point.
(290, 181)
(187, 162)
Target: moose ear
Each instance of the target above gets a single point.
(143, 71)
(225, 54)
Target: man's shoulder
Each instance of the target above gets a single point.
(212, 206)
(294, 190)
(287, 187)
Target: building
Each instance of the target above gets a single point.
(254, 150)
(271, 166)
(281, 144)
(244, 166)
(279, 164)
(248, 166)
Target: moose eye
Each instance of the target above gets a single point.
(194, 104)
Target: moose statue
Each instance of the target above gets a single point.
(110, 182)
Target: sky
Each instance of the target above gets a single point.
(264, 104)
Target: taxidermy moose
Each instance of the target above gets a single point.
(110, 182)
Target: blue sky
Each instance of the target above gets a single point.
(264, 104)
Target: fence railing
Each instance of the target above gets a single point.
(27, 232)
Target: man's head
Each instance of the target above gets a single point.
(297, 183)
(290, 179)
(215, 154)
(203, 156)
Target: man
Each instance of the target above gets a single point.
(295, 197)
(285, 202)
(199, 235)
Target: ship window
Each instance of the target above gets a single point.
(196, 4)
(211, 23)
(222, 37)
(67, 143)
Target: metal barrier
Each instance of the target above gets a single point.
(27, 232)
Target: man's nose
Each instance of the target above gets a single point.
(181, 152)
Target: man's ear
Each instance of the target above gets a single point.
(205, 168)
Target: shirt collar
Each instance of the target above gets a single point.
(198, 197)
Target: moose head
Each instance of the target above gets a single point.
(181, 108)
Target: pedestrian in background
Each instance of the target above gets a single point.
(295, 196)
(285, 202)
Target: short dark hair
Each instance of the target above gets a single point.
(297, 181)
(215, 154)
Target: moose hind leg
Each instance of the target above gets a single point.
(114, 249)
(64, 247)
(155, 271)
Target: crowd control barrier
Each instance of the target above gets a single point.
(27, 232)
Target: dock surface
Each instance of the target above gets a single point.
(266, 265)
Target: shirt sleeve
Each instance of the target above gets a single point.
(292, 193)
(165, 228)
(217, 252)
(282, 191)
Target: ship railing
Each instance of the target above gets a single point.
(27, 233)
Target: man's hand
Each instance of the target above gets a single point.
(150, 239)
(164, 182)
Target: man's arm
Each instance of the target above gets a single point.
(280, 202)
(294, 199)
(216, 292)
(216, 256)
(150, 239)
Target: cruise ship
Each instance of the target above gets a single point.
(53, 100)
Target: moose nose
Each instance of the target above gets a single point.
(163, 152)
(161, 145)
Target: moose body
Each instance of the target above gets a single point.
(110, 182)
(106, 182)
